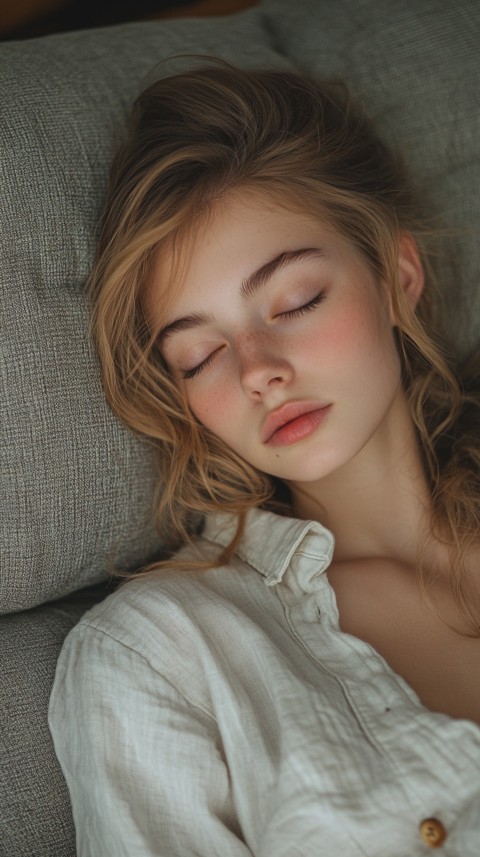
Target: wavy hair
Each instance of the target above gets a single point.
(195, 137)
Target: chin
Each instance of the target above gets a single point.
(307, 472)
(312, 465)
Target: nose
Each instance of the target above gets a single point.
(263, 367)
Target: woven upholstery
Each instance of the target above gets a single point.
(35, 817)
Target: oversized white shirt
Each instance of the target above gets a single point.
(223, 713)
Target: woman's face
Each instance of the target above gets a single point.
(282, 339)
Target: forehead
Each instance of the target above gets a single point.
(237, 235)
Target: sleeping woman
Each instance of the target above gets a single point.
(300, 675)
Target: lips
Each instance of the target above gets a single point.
(286, 414)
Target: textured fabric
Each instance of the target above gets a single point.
(415, 66)
(76, 488)
(35, 815)
(225, 713)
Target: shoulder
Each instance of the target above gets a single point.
(164, 640)
(171, 616)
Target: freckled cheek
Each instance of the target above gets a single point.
(213, 406)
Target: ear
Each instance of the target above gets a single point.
(410, 269)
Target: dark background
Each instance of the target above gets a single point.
(24, 19)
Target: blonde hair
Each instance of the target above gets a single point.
(195, 137)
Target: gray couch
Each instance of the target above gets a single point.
(76, 488)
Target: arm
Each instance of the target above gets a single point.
(143, 765)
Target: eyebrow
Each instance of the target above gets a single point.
(249, 285)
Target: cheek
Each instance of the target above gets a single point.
(356, 340)
(213, 405)
(370, 345)
(337, 341)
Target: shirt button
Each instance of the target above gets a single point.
(433, 832)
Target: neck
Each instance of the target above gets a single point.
(376, 505)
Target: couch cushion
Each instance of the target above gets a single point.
(35, 817)
(76, 487)
(415, 66)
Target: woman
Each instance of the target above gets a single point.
(301, 676)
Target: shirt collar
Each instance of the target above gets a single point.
(270, 543)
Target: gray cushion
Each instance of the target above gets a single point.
(76, 487)
(35, 816)
(415, 66)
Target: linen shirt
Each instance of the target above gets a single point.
(223, 713)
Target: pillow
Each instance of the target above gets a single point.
(415, 67)
(77, 488)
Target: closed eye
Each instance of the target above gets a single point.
(293, 313)
(191, 373)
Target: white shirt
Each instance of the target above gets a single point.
(223, 713)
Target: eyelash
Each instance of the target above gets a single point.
(190, 373)
(291, 313)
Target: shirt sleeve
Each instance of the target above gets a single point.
(144, 766)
